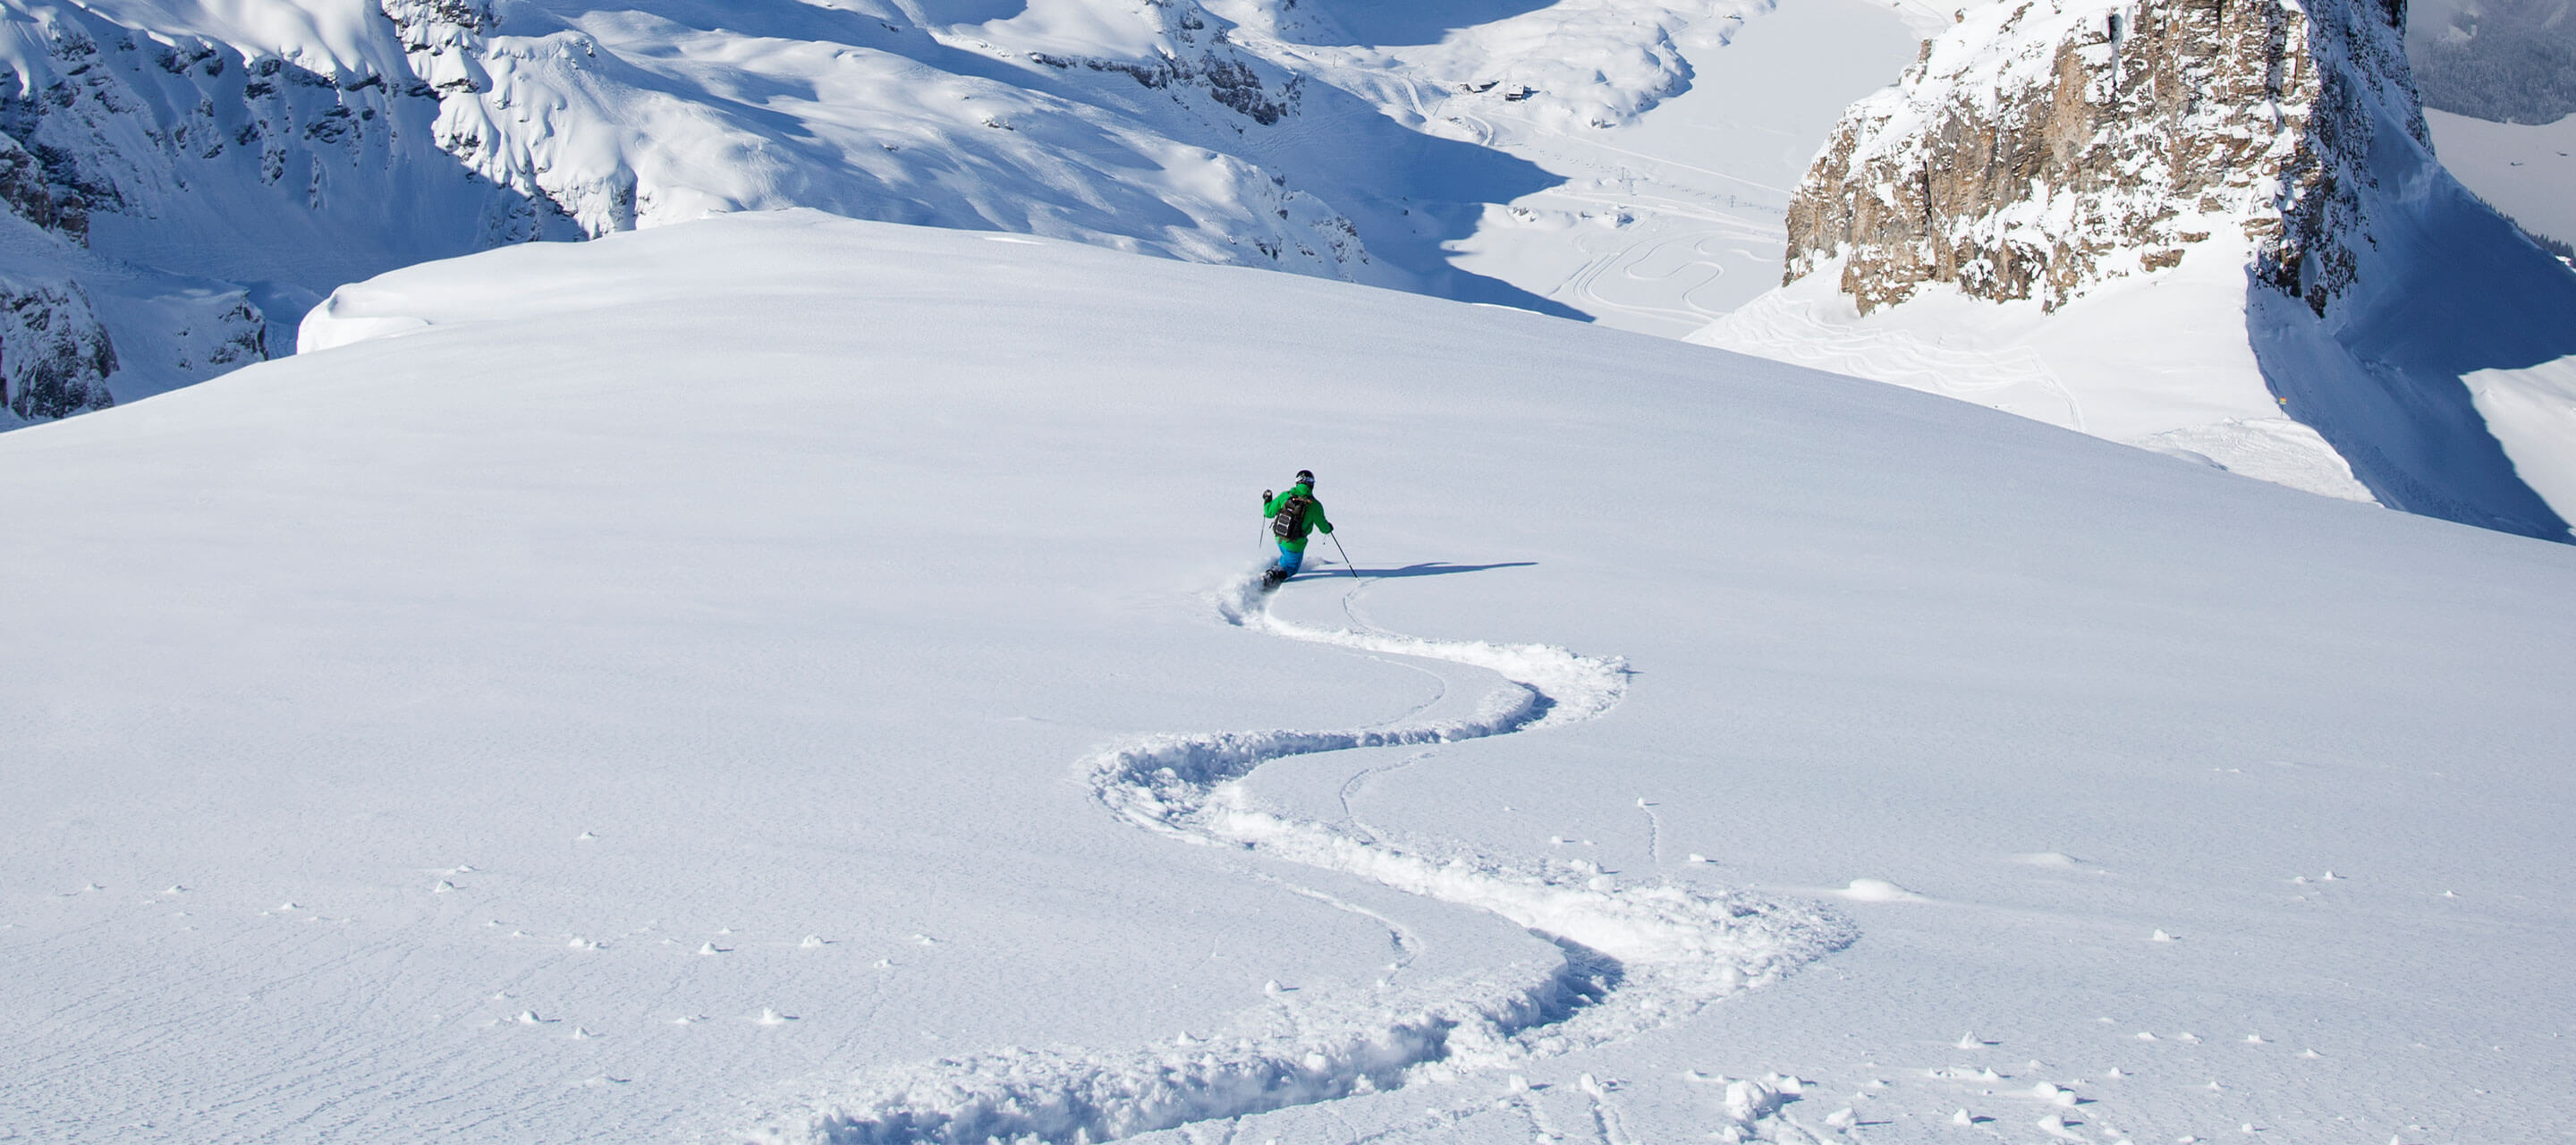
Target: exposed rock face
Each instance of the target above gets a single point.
(2045, 146)
(1193, 51)
(109, 119)
(2266, 162)
(145, 176)
(28, 191)
(54, 355)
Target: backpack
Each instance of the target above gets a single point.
(1290, 523)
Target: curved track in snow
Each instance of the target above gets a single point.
(1637, 955)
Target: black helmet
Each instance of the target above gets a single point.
(1305, 477)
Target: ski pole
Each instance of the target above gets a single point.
(1346, 555)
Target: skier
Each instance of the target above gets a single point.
(1293, 514)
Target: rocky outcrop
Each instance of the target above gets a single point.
(2264, 166)
(55, 358)
(110, 119)
(145, 176)
(28, 191)
(1193, 51)
(2045, 146)
(1229, 81)
(446, 48)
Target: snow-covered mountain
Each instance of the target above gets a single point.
(788, 676)
(2504, 61)
(185, 179)
(2174, 224)
(169, 190)
(2499, 84)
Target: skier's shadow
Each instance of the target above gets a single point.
(1438, 568)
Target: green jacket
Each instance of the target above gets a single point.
(1314, 515)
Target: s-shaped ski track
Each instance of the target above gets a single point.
(1638, 955)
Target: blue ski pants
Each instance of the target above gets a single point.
(1289, 559)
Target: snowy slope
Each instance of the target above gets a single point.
(719, 680)
(2162, 363)
(2527, 171)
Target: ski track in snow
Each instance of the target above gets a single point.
(1636, 955)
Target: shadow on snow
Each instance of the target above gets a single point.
(1425, 568)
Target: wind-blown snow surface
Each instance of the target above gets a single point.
(682, 688)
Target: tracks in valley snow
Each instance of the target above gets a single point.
(1636, 955)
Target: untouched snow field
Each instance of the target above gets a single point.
(2527, 171)
(784, 677)
(2162, 363)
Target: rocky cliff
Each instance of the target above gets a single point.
(54, 356)
(2048, 145)
(165, 191)
(2176, 221)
